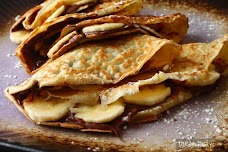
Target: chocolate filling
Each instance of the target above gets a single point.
(113, 126)
(28, 51)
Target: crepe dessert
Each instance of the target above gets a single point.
(100, 86)
(48, 41)
(49, 10)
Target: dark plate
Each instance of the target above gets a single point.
(199, 119)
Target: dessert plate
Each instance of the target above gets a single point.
(202, 120)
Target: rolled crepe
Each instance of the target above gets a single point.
(51, 9)
(100, 86)
(42, 45)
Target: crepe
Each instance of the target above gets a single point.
(102, 85)
(49, 10)
(42, 45)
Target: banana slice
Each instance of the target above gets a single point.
(99, 113)
(19, 36)
(53, 109)
(170, 102)
(60, 43)
(102, 27)
(149, 96)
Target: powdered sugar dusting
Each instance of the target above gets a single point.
(202, 117)
(199, 118)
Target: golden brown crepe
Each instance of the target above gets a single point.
(100, 86)
(52, 9)
(42, 46)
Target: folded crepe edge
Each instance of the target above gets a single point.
(24, 50)
(25, 32)
(54, 124)
(11, 90)
(140, 117)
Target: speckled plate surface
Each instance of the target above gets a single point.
(200, 119)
